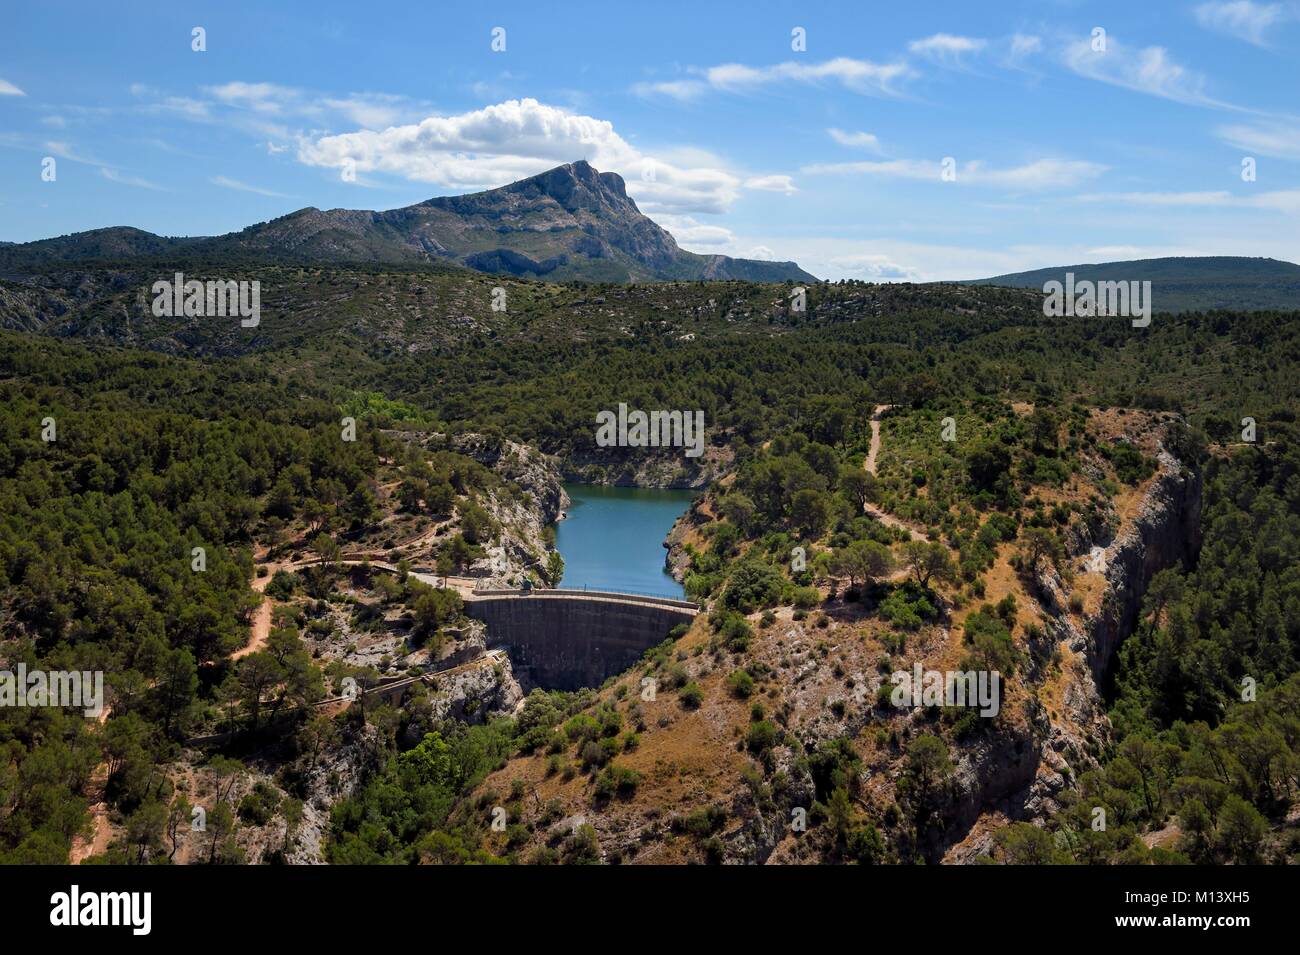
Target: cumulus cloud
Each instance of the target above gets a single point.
(515, 139)
(689, 232)
(1040, 174)
(1242, 19)
(484, 147)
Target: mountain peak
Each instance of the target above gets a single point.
(570, 222)
(577, 185)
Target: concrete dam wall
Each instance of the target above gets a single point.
(565, 641)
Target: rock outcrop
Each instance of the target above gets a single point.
(1022, 771)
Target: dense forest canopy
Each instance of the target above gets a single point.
(157, 455)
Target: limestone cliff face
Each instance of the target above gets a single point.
(1165, 532)
(648, 467)
(1021, 772)
(475, 694)
(524, 465)
(521, 549)
(678, 561)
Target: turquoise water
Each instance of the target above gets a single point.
(613, 538)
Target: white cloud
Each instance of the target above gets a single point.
(762, 253)
(184, 106)
(677, 89)
(8, 89)
(860, 76)
(1040, 174)
(485, 147)
(1119, 252)
(245, 187)
(1275, 139)
(259, 97)
(856, 140)
(1023, 45)
(1283, 200)
(879, 268)
(65, 151)
(369, 110)
(1204, 198)
(676, 189)
(946, 48)
(515, 139)
(1242, 19)
(1149, 70)
(894, 260)
(771, 184)
(54, 122)
(115, 175)
(689, 231)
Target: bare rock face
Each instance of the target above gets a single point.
(523, 464)
(338, 775)
(648, 467)
(1020, 773)
(1165, 532)
(521, 550)
(474, 694)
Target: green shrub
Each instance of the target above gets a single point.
(741, 684)
(691, 696)
(616, 781)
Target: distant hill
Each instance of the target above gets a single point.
(571, 222)
(1189, 283)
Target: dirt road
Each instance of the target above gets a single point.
(870, 465)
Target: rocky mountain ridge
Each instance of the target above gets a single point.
(569, 223)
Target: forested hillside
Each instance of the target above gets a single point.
(177, 434)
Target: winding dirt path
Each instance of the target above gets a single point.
(870, 462)
(261, 628)
(870, 465)
(83, 848)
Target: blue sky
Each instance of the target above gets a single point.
(832, 155)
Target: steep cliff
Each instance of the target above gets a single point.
(1021, 774)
